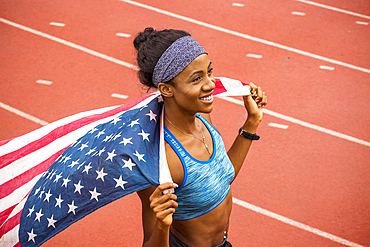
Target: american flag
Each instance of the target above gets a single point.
(59, 173)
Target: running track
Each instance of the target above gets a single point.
(305, 183)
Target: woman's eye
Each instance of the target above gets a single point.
(210, 70)
(196, 79)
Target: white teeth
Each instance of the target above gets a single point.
(209, 98)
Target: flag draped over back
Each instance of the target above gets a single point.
(59, 173)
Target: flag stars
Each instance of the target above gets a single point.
(47, 196)
(133, 123)
(144, 135)
(72, 207)
(100, 133)
(120, 182)
(116, 120)
(59, 201)
(39, 215)
(126, 141)
(128, 163)
(107, 138)
(65, 181)
(30, 210)
(87, 168)
(152, 116)
(111, 155)
(51, 221)
(101, 151)
(84, 145)
(74, 163)
(78, 187)
(42, 192)
(66, 159)
(139, 156)
(57, 177)
(117, 136)
(93, 130)
(31, 236)
(91, 151)
(37, 191)
(94, 194)
(101, 174)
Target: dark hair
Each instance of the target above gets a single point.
(150, 45)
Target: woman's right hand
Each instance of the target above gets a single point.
(164, 204)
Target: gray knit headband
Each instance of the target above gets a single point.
(175, 59)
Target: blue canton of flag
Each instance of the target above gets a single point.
(112, 160)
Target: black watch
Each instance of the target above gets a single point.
(248, 135)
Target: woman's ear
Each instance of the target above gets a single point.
(165, 89)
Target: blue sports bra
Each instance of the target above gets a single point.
(206, 183)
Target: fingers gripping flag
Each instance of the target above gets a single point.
(56, 175)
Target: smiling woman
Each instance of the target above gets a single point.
(197, 212)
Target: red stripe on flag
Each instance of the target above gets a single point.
(10, 223)
(4, 214)
(219, 87)
(5, 141)
(13, 184)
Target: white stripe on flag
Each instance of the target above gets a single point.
(10, 238)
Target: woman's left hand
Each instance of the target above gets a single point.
(255, 102)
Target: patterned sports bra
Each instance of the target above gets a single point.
(206, 183)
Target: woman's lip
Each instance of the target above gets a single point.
(208, 98)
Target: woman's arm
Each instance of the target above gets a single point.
(157, 210)
(253, 104)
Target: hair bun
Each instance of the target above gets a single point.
(142, 37)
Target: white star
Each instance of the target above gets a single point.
(116, 136)
(31, 236)
(115, 120)
(59, 201)
(126, 141)
(120, 182)
(87, 168)
(37, 191)
(101, 174)
(76, 143)
(90, 151)
(39, 215)
(139, 156)
(152, 116)
(111, 155)
(65, 182)
(51, 221)
(42, 192)
(81, 165)
(47, 196)
(66, 158)
(52, 175)
(57, 177)
(144, 135)
(133, 123)
(92, 130)
(100, 133)
(107, 138)
(72, 207)
(74, 163)
(94, 194)
(84, 145)
(129, 164)
(30, 210)
(78, 187)
(101, 151)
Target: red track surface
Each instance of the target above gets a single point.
(308, 176)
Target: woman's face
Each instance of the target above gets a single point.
(194, 86)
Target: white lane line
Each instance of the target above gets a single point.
(298, 13)
(302, 123)
(246, 36)
(23, 114)
(114, 60)
(326, 67)
(70, 44)
(334, 8)
(120, 96)
(295, 223)
(44, 82)
(58, 24)
(238, 4)
(254, 56)
(280, 126)
(362, 23)
(125, 35)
